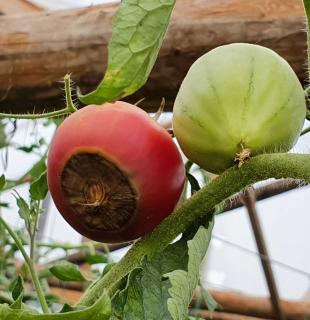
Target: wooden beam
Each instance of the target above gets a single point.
(37, 50)
(18, 7)
(205, 314)
(67, 295)
(257, 307)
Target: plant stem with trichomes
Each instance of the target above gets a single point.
(33, 232)
(30, 265)
(258, 168)
(70, 107)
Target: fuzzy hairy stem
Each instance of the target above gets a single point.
(262, 167)
(30, 265)
(307, 10)
(33, 234)
(70, 107)
(34, 116)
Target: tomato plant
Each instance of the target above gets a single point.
(108, 182)
(116, 175)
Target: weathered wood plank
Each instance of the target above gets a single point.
(17, 6)
(37, 50)
(246, 305)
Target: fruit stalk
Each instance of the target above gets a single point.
(261, 167)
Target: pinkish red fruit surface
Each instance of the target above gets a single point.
(113, 172)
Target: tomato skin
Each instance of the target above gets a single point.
(138, 146)
(237, 96)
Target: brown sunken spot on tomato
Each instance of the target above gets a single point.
(99, 193)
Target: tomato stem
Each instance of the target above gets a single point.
(30, 265)
(69, 102)
(258, 168)
(70, 107)
(33, 232)
(307, 10)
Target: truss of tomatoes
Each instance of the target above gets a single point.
(115, 174)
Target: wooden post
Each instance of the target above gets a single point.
(249, 199)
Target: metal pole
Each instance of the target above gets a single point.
(248, 198)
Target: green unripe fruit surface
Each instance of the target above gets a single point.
(235, 97)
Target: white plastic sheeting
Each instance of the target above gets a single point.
(66, 4)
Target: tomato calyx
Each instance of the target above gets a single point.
(99, 193)
(243, 156)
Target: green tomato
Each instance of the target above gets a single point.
(238, 98)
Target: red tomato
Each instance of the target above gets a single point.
(113, 172)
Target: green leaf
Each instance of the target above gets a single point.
(184, 282)
(52, 298)
(24, 210)
(95, 258)
(139, 28)
(146, 293)
(29, 149)
(17, 287)
(3, 138)
(17, 293)
(45, 273)
(137, 301)
(67, 308)
(193, 183)
(38, 188)
(67, 271)
(107, 268)
(210, 302)
(38, 168)
(54, 121)
(150, 292)
(23, 236)
(2, 182)
(4, 205)
(205, 175)
(101, 310)
(127, 304)
(32, 174)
